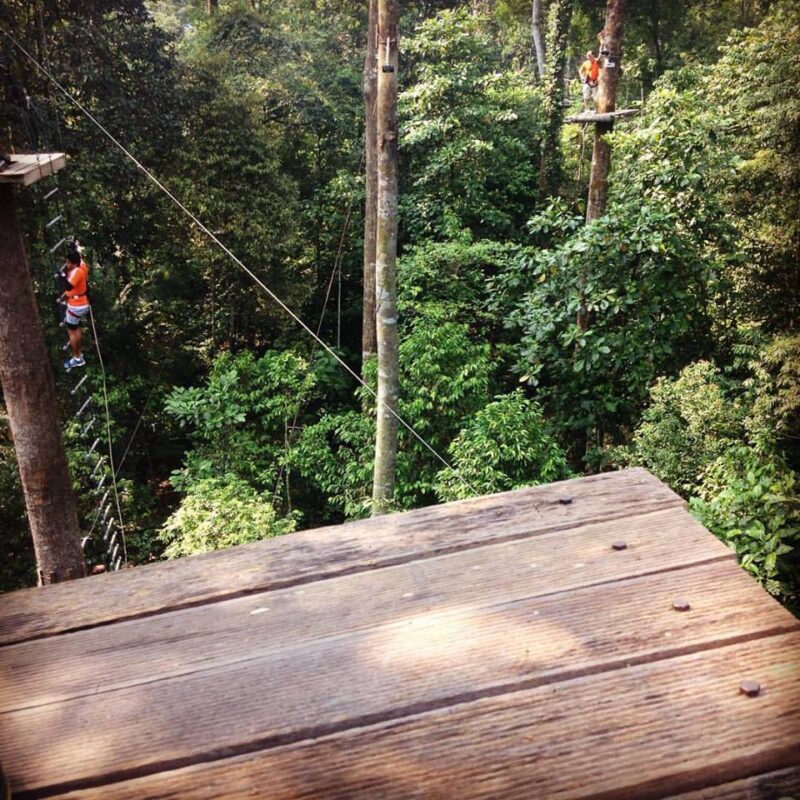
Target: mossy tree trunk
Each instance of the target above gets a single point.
(558, 22)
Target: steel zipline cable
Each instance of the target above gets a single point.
(233, 257)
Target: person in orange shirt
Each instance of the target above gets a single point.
(590, 75)
(76, 274)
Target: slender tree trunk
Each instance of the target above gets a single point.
(368, 343)
(559, 18)
(33, 416)
(385, 256)
(211, 6)
(537, 37)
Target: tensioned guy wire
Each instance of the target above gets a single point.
(233, 257)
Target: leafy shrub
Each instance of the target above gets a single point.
(505, 446)
(752, 501)
(689, 424)
(221, 512)
(643, 283)
(775, 413)
(470, 131)
(239, 419)
(444, 379)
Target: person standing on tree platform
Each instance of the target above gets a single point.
(590, 75)
(76, 274)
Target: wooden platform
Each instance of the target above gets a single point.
(498, 648)
(594, 116)
(27, 169)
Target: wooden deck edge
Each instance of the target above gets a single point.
(645, 791)
(351, 569)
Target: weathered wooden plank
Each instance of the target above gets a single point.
(421, 661)
(644, 732)
(780, 785)
(327, 552)
(605, 116)
(143, 650)
(26, 169)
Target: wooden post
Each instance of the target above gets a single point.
(32, 412)
(606, 102)
(386, 253)
(368, 341)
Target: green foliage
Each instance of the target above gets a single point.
(644, 285)
(689, 424)
(752, 99)
(752, 501)
(444, 379)
(775, 415)
(17, 567)
(453, 275)
(253, 117)
(469, 133)
(239, 420)
(506, 445)
(221, 512)
(336, 455)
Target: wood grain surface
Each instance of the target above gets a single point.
(144, 650)
(644, 732)
(494, 648)
(323, 553)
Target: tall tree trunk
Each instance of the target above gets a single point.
(537, 37)
(32, 412)
(559, 18)
(606, 101)
(211, 6)
(385, 257)
(601, 153)
(368, 342)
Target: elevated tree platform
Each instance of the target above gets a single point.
(595, 116)
(27, 169)
(523, 645)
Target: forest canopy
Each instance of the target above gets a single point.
(231, 424)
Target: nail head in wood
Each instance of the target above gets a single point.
(681, 604)
(750, 688)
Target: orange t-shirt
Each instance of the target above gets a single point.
(79, 278)
(590, 71)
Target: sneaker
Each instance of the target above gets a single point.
(74, 362)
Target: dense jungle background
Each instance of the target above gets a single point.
(230, 425)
